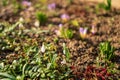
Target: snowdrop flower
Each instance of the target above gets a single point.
(93, 29)
(51, 6)
(43, 48)
(83, 32)
(37, 23)
(21, 19)
(21, 25)
(65, 17)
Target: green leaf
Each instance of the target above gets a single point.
(10, 28)
(6, 75)
(74, 23)
(42, 18)
(68, 33)
(106, 50)
(1, 65)
(49, 65)
(66, 52)
(108, 5)
(5, 79)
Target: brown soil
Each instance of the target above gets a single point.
(84, 52)
(115, 3)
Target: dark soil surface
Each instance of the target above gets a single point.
(84, 52)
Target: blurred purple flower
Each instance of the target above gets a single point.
(83, 32)
(26, 3)
(60, 25)
(65, 17)
(58, 32)
(51, 6)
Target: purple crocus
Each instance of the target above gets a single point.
(51, 6)
(26, 3)
(60, 26)
(65, 17)
(83, 32)
(58, 32)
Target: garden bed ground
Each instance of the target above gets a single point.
(83, 51)
(115, 3)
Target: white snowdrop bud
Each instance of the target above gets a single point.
(37, 24)
(21, 19)
(43, 48)
(20, 25)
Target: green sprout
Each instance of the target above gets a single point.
(66, 33)
(107, 6)
(66, 52)
(75, 23)
(106, 50)
(42, 18)
(16, 6)
(5, 2)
